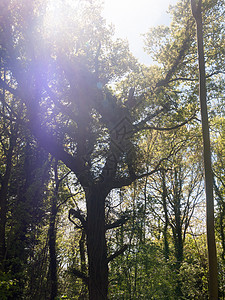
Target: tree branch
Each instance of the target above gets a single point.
(153, 115)
(117, 223)
(79, 216)
(119, 183)
(179, 58)
(117, 253)
(195, 79)
(166, 128)
(45, 139)
(80, 274)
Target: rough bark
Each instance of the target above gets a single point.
(96, 244)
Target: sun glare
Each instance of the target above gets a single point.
(131, 18)
(58, 14)
(53, 17)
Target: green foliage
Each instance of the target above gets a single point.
(141, 273)
(194, 270)
(7, 285)
(72, 80)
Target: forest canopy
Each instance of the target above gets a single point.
(102, 181)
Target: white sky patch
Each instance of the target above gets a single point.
(133, 18)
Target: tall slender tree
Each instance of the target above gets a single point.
(212, 256)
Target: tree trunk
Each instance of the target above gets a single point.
(52, 254)
(179, 259)
(96, 244)
(3, 200)
(52, 240)
(221, 208)
(82, 252)
(212, 257)
(165, 229)
(177, 231)
(3, 211)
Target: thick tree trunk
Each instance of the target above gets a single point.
(96, 244)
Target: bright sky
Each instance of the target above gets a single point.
(133, 18)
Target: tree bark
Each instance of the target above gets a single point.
(96, 243)
(3, 200)
(165, 229)
(52, 240)
(82, 252)
(212, 257)
(221, 208)
(3, 211)
(52, 254)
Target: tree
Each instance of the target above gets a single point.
(8, 143)
(213, 273)
(185, 78)
(174, 194)
(60, 75)
(74, 115)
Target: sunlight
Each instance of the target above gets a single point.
(54, 16)
(134, 18)
(57, 13)
(136, 13)
(131, 19)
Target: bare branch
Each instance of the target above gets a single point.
(194, 79)
(62, 178)
(80, 274)
(181, 55)
(64, 201)
(117, 223)
(153, 115)
(183, 79)
(166, 128)
(77, 214)
(117, 253)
